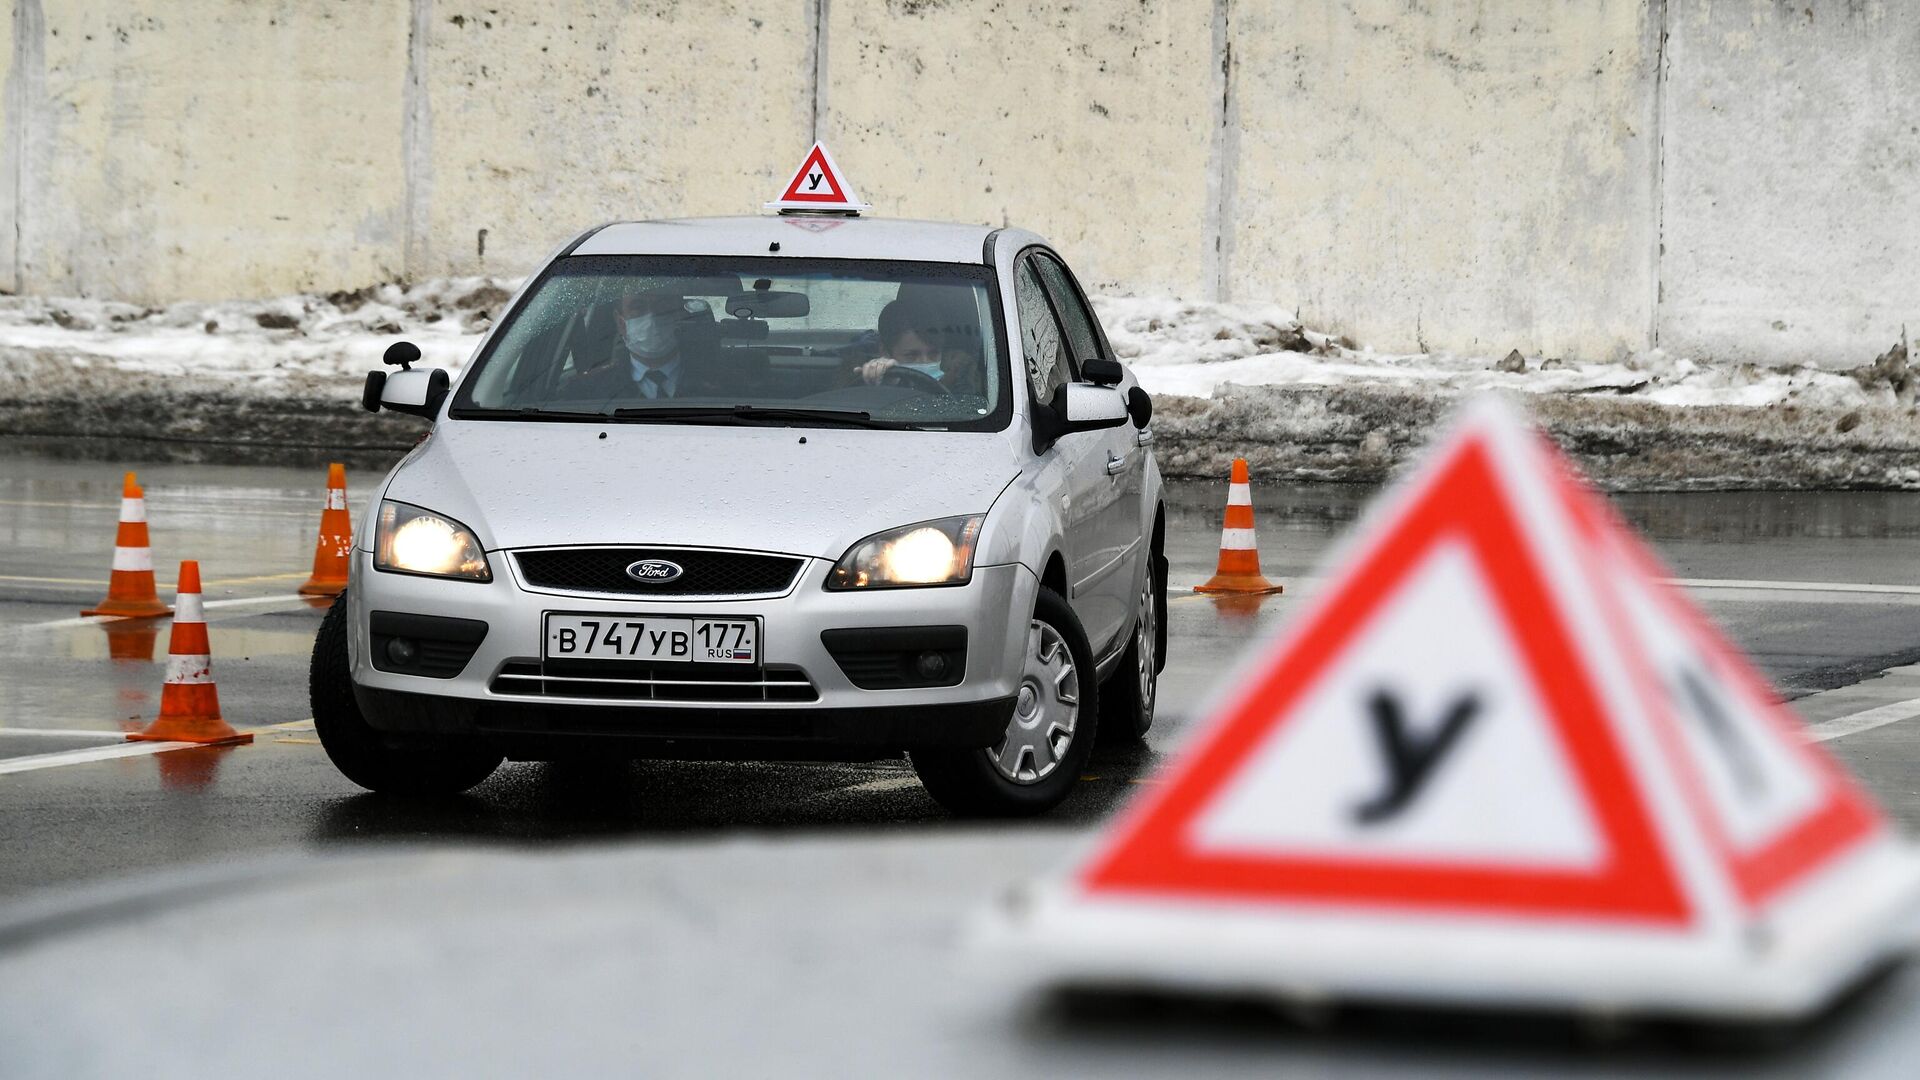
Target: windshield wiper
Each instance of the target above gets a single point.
(529, 412)
(724, 413)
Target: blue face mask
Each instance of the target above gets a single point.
(651, 337)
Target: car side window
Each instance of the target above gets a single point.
(1041, 338)
(1073, 312)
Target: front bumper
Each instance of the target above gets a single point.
(973, 711)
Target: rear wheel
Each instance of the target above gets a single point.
(443, 766)
(1127, 698)
(1039, 758)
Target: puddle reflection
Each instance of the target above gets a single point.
(191, 770)
(132, 639)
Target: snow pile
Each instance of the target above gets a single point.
(1233, 380)
(328, 337)
(1195, 348)
(1176, 347)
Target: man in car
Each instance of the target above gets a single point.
(915, 333)
(651, 361)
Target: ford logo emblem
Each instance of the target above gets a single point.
(654, 571)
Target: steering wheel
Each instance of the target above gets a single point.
(912, 379)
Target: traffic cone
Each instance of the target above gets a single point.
(130, 592)
(331, 551)
(189, 702)
(1238, 572)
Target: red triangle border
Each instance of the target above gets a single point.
(834, 193)
(1636, 882)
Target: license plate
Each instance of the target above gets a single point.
(651, 638)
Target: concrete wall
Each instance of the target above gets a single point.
(1474, 176)
(1087, 120)
(1475, 182)
(172, 148)
(535, 120)
(1792, 196)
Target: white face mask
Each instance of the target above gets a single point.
(651, 337)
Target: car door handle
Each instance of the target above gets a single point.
(1115, 464)
(1143, 438)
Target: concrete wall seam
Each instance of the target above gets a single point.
(818, 19)
(416, 141)
(26, 91)
(1223, 152)
(1658, 22)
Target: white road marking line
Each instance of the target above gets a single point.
(241, 601)
(1797, 586)
(63, 733)
(891, 783)
(33, 762)
(1707, 583)
(1842, 726)
(164, 586)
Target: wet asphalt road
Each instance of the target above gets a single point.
(1823, 589)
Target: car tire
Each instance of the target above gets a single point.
(1127, 697)
(446, 766)
(1059, 695)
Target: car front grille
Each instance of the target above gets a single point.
(625, 680)
(704, 573)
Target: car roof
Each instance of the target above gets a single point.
(799, 236)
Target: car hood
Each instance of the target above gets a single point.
(802, 491)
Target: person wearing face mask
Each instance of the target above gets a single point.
(918, 336)
(650, 362)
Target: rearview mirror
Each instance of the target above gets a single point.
(767, 304)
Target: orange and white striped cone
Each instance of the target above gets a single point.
(335, 545)
(189, 702)
(130, 591)
(1238, 572)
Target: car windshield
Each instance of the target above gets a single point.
(749, 341)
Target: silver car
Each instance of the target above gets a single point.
(796, 487)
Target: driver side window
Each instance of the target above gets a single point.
(1041, 339)
(1066, 299)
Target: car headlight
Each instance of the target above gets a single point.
(926, 553)
(411, 540)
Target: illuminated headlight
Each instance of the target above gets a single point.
(410, 540)
(928, 553)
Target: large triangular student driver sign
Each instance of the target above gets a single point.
(1496, 761)
(819, 185)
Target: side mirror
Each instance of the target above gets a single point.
(1091, 408)
(1102, 372)
(417, 392)
(1140, 407)
(1077, 407)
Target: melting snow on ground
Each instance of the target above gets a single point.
(1175, 347)
(1179, 347)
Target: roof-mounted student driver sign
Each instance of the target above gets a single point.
(1497, 761)
(819, 185)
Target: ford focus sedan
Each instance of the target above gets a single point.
(763, 488)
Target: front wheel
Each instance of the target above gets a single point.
(1127, 699)
(1039, 758)
(444, 767)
